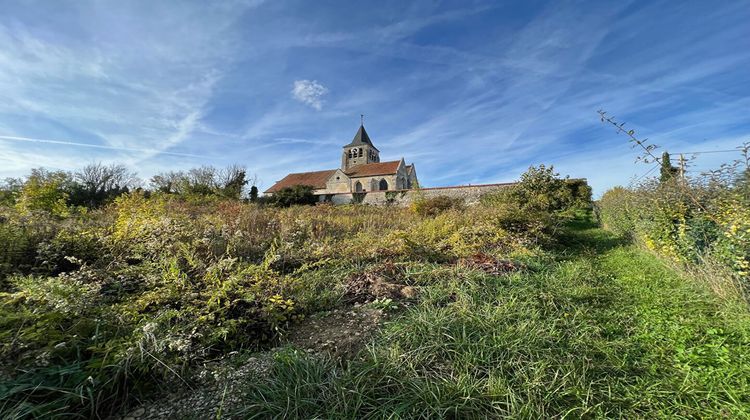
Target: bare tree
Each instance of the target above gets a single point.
(169, 182)
(96, 183)
(205, 180)
(231, 180)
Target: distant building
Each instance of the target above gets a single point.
(361, 171)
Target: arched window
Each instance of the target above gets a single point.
(350, 154)
(358, 187)
(383, 185)
(360, 152)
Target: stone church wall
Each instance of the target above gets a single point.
(469, 193)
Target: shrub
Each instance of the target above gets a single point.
(540, 189)
(296, 195)
(691, 223)
(102, 306)
(44, 191)
(436, 205)
(616, 211)
(9, 191)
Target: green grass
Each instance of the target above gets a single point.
(600, 329)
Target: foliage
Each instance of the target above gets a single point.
(541, 190)
(436, 205)
(296, 195)
(97, 184)
(9, 191)
(45, 191)
(701, 221)
(205, 180)
(104, 306)
(615, 211)
(616, 336)
(667, 172)
(580, 192)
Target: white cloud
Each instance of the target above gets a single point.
(309, 92)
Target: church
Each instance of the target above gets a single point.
(361, 171)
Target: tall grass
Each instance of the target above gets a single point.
(602, 330)
(103, 307)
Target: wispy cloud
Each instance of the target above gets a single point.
(94, 146)
(309, 92)
(470, 94)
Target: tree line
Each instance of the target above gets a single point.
(98, 184)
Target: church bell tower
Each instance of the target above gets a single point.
(360, 151)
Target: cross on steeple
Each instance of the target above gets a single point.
(361, 119)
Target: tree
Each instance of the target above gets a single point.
(541, 189)
(10, 190)
(580, 192)
(230, 181)
(45, 191)
(253, 193)
(296, 195)
(667, 171)
(205, 180)
(96, 184)
(200, 181)
(167, 182)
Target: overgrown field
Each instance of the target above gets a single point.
(100, 306)
(519, 306)
(706, 229)
(593, 328)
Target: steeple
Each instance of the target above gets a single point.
(360, 150)
(361, 138)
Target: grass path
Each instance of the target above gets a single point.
(598, 329)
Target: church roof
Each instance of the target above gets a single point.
(316, 180)
(373, 169)
(361, 138)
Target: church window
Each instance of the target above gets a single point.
(360, 152)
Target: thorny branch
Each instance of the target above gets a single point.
(647, 148)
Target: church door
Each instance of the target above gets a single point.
(358, 187)
(383, 185)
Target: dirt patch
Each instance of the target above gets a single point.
(216, 386)
(378, 283)
(340, 333)
(489, 264)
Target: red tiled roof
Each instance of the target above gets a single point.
(315, 179)
(372, 169)
(503, 184)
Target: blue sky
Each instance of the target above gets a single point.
(471, 92)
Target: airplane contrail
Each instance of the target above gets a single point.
(95, 146)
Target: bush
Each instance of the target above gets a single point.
(103, 306)
(689, 223)
(436, 205)
(44, 191)
(616, 211)
(540, 189)
(296, 195)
